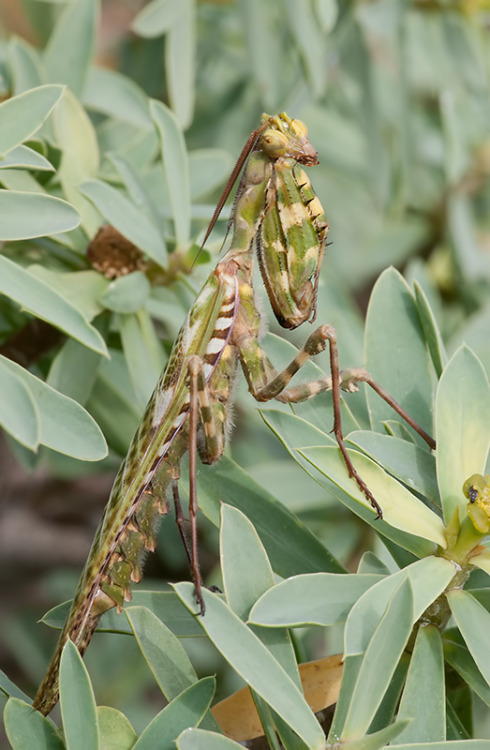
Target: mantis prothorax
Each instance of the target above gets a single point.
(276, 210)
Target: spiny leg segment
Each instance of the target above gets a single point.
(348, 380)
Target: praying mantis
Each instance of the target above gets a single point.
(277, 211)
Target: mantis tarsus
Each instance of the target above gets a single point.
(277, 210)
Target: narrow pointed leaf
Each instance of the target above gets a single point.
(377, 740)
(180, 52)
(163, 652)
(65, 426)
(316, 599)
(144, 363)
(22, 115)
(76, 137)
(18, 411)
(240, 548)
(45, 303)
(10, 689)
(473, 621)
(156, 18)
(165, 605)
(296, 434)
(22, 157)
(77, 702)
(70, 49)
(424, 698)
(379, 662)
(429, 577)
(176, 166)
(408, 462)
(431, 331)
(199, 739)
(462, 432)
(26, 215)
(186, 710)
(400, 508)
(395, 352)
(246, 654)
(126, 218)
(117, 96)
(461, 660)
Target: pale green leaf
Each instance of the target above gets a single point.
(473, 621)
(309, 39)
(18, 411)
(65, 426)
(25, 66)
(22, 157)
(199, 739)
(176, 166)
(249, 657)
(126, 218)
(22, 115)
(395, 352)
(431, 331)
(424, 699)
(291, 547)
(379, 661)
(77, 702)
(327, 12)
(74, 370)
(163, 652)
(26, 215)
(428, 577)
(71, 46)
(156, 18)
(462, 427)
(316, 599)
(75, 136)
(400, 508)
(143, 360)
(376, 740)
(115, 730)
(27, 729)
(208, 168)
(165, 605)
(180, 63)
(413, 465)
(117, 96)
(461, 660)
(38, 298)
(82, 289)
(127, 293)
(186, 710)
(241, 549)
(11, 690)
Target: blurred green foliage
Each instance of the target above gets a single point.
(396, 97)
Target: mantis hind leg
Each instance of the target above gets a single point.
(207, 436)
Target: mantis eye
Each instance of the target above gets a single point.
(274, 143)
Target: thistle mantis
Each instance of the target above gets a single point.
(277, 209)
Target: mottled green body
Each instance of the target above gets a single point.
(275, 206)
